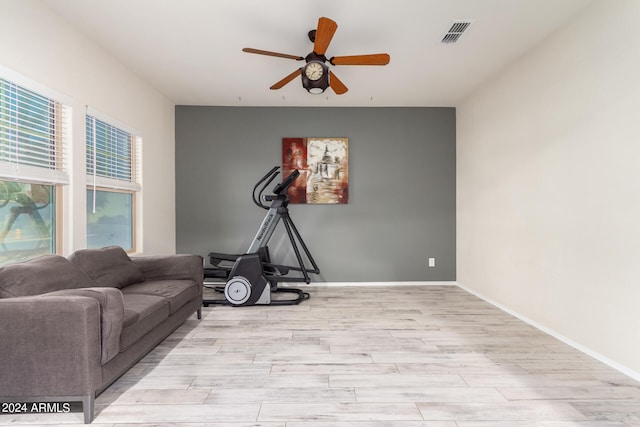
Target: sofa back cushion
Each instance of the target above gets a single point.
(108, 267)
(46, 273)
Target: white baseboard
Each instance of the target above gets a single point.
(611, 363)
(379, 284)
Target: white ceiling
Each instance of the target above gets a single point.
(191, 50)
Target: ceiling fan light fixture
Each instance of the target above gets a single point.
(315, 87)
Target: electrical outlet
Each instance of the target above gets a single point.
(432, 262)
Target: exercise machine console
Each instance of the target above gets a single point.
(252, 277)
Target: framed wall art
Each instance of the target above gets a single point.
(324, 169)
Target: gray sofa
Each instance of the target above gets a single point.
(69, 327)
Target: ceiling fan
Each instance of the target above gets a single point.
(316, 75)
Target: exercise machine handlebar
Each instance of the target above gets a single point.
(284, 185)
(267, 179)
(278, 191)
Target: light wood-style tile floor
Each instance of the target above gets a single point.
(415, 356)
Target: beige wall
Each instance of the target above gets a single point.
(43, 48)
(548, 185)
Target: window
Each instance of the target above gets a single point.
(112, 171)
(33, 137)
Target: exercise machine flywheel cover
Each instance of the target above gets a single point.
(238, 290)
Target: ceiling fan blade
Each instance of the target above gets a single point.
(324, 33)
(373, 59)
(338, 87)
(286, 80)
(269, 53)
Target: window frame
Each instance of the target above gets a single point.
(96, 182)
(57, 133)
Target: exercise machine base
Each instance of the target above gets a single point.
(300, 296)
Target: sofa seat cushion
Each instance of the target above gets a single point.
(110, 266)
(176, 292)
(46, 273)
(142, 313)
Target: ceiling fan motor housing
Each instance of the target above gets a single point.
(315, 57)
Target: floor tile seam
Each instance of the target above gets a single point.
(598, 400)
(330, 417)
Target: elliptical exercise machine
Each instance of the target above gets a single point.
(252, 277)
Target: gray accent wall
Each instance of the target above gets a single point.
(402, 189)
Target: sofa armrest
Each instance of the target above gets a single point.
(171, 267)
(111, 316)
(50, 346)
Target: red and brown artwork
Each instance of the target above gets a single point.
(323, 164)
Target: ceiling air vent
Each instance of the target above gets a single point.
(456, 30)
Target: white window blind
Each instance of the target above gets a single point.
(111, 156)
(33, 135)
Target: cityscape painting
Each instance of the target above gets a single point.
(323, 164)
